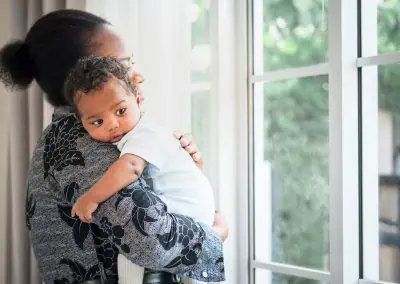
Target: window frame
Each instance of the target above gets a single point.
(367, 62)
(344, 153)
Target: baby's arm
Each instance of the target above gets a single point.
(126, 170)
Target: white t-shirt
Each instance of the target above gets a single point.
(179, 183)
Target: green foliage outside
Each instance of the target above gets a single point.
(389, 41)
(296, 127)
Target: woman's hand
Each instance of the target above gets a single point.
(188, 144)
(220, 226)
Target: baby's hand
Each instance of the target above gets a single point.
(83, 208)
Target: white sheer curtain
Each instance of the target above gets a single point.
(158, 32)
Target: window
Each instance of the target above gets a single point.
(389, 171)
(381, 108)
(325, 141)
(289, 115)
(294, 33)
(292, 172)
(200, 81)
(388, 18)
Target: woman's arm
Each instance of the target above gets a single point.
(137, 222)
(155, 239)
(220, 226)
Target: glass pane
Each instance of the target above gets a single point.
(289, 33)
(268, 277)
(201, 48)
(388, 25)
(291, 172)
(200, 112)
(389, 172)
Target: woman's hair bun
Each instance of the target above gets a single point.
(16, 65)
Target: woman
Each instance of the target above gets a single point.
(67, 162)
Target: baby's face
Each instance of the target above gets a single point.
(109, 113)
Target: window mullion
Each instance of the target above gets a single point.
(344, 146)
(291, 73)
(369, 117)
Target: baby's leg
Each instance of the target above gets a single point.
(129, 273)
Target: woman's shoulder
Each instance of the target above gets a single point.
(65, 143)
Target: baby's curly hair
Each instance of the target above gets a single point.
(91, 73)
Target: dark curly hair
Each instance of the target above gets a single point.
(51, 47)
(91, 73)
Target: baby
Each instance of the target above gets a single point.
(106, 102)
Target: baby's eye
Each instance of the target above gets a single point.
(121, 111)
(97, 122)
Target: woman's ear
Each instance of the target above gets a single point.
(137, 79)
(139, 98)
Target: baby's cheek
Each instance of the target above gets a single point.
(97, 134)
(128, 124)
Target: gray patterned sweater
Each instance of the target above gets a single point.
(134, 222)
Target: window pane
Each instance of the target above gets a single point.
(291, 172)
(200, 112)
(267, 277)
(201, 48)
(389, 172)
(289, 33)
(388, 25)
(200, 78)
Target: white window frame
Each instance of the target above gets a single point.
(343, 151)
(368, 62)
(368, 45)
(242, 138)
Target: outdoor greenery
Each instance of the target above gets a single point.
(296, 127)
